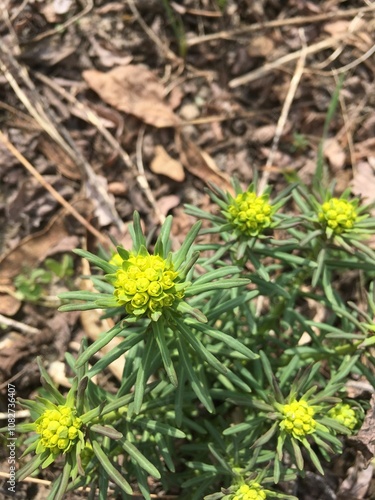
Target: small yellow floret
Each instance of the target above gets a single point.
(249, 213)
(58, 429)
(145, 284)
(338, 214)
(344, 414)
(251, 491)
(298, 419)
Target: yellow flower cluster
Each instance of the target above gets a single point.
(58, 429)
(252, 491)
(338, 214)
(145, 284)
(249, 213)
(298, 419)
(344, 414)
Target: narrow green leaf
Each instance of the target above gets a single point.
(48, 384)
(106, 430)
(99, 344)
(158, 328)
(181, 255)
(130, 341)
(143, 372)
(216, 285)
(318, 271)
(231, 342)
(135, 230)
(112, 472)
(154, 426)
(94, 259)
(199, 347)
(162, 245)
(216, 274)
(198, 387)
(314, 458)
(266, 436)
(297, 454)
(140, 458)
(64, 479)
(31, 466)
(186, 308)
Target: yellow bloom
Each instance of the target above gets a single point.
(116, 260)
(298, 419)
(249, 213)
(251, 491)
(145, 284)
(338, 214)
(344, 414)
(58, 429)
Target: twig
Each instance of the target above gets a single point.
(258, 73)
(141, 169)
(51, 190)
(95, 120)
(278, 23)
(4, 320)
(37, 111)
(63, 26)
(165, 50)
(284, 113)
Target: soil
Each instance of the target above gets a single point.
(109, 107)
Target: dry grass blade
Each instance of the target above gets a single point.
(260, 72)
(37, 110)
(51, 190)
(95, 120)
(284, 114)
(277, 23)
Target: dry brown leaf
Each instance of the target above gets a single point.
(34, 249)
(31, 250)
(264, 134)
(65, 165)
(200, 164)
(336, 28)
(164, 164)
(9, 305)
(260, 46)
(166, 203)
(364, 441)
(135, 90)
(334, 154)
(363, 183)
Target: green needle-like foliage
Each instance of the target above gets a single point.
(237, 353)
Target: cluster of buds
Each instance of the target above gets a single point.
(338, 214)
(298, 419)
(251, 491)
(344, 414)
(250, 214)
(146, 284)
(58, 429)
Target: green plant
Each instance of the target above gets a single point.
(32, 284)
(231, 387)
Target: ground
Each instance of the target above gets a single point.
(110, 107)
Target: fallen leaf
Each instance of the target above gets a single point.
(9, 305)
(135, 90)
(363, 183)
(65, 165)
(164, 164)
(334, 154)
(337, 28)
(166, 203)
(364, 440)
(260, 46)
(202, 165)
